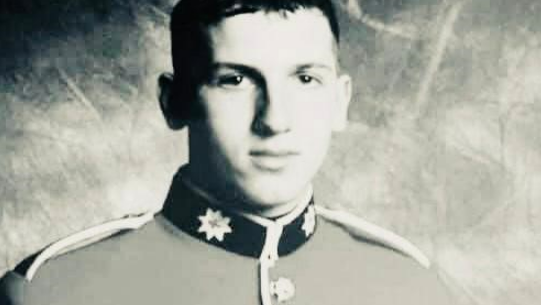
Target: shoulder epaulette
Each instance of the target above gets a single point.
(83, 238)
(375, 233)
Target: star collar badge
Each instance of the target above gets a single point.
(309, 221)
(214, 225)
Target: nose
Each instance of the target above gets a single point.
(272, 116)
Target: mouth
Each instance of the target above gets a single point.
(272, 160)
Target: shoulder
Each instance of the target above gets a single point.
(80, 241)
(368, 231)
(379, 258)
(134, 251)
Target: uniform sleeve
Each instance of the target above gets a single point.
(12, 289)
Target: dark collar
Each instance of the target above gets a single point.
(189, 210)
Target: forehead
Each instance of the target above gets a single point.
(274, 36)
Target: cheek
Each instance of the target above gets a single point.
(229, 119)
(314, 122)
(314, 111)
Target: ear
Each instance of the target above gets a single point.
(340, 115)
(165, 97)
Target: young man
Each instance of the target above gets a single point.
(258, 86)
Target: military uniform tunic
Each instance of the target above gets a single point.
(195, 252)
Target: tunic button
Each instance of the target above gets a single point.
(283, 289)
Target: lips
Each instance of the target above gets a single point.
(272, 160)
(273, 153)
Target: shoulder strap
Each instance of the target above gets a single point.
(85, 237)
(375, 233)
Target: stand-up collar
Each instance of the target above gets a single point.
(195, 212)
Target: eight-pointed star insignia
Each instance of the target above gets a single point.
(214, 225)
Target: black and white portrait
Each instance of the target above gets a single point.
(270, 152)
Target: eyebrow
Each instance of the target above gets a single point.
(308, 66)
(234, 66)
(251, 71)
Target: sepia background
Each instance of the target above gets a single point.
(443, 147)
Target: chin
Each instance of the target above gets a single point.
(270, 200)
(274, 192)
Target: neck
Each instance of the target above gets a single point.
(276, 211)
(245, 207)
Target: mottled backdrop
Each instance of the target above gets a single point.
(444, 144)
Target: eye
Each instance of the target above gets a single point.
(305, 79)
(308, 80)
(232, 81)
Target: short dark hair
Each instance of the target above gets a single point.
(190, 43)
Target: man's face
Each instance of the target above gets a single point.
(272, 101)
